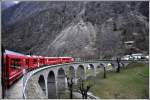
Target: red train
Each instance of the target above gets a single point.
(14, 64)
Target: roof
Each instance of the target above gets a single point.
(14, 53)
(137, 54)
(129, 42)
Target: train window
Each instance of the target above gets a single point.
(41, 60)
(53, 59)
(65, 58)
(34, 61)
(15, 63)
(27, 61)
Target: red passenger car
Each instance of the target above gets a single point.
(33, 62)
(66, 59)
(53, 60)
(14, 65)
(42, 61)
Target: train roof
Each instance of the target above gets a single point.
(65, 57)
(51, 57)
(14, 53)
(58, 57)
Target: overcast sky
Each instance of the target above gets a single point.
(6, 4)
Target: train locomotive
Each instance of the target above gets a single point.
(14, 63)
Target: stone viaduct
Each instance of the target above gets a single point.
(49, 81)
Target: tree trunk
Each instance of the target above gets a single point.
(85, 95)
(82, 96)
(70, 85)
(71, 94)
(118, 62)
(104, 72)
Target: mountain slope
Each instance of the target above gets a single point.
(79, 29)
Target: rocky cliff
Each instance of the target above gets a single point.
(78, 29)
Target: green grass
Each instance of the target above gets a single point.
(130, 83)
(89, 72)
(63, 95)
(66, 95)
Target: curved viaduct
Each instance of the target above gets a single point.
(50, 81)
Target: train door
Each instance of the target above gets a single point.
(27, 63)
(35, 62)
(30, 66)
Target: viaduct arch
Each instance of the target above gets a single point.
(41, 82)
(61, 81)
(81, 72)
(72, 73)
(51, 85)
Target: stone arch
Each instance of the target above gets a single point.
(98, 69)
(41, 82)
(72, 72)
(81, 72)
(92, 68)
(101, 64)
(51, 85)
(113, 65)
(61, 83)
(109, 66)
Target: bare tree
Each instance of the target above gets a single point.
(118, 62)
(70, 86)
(84, 88)
(104, 71)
